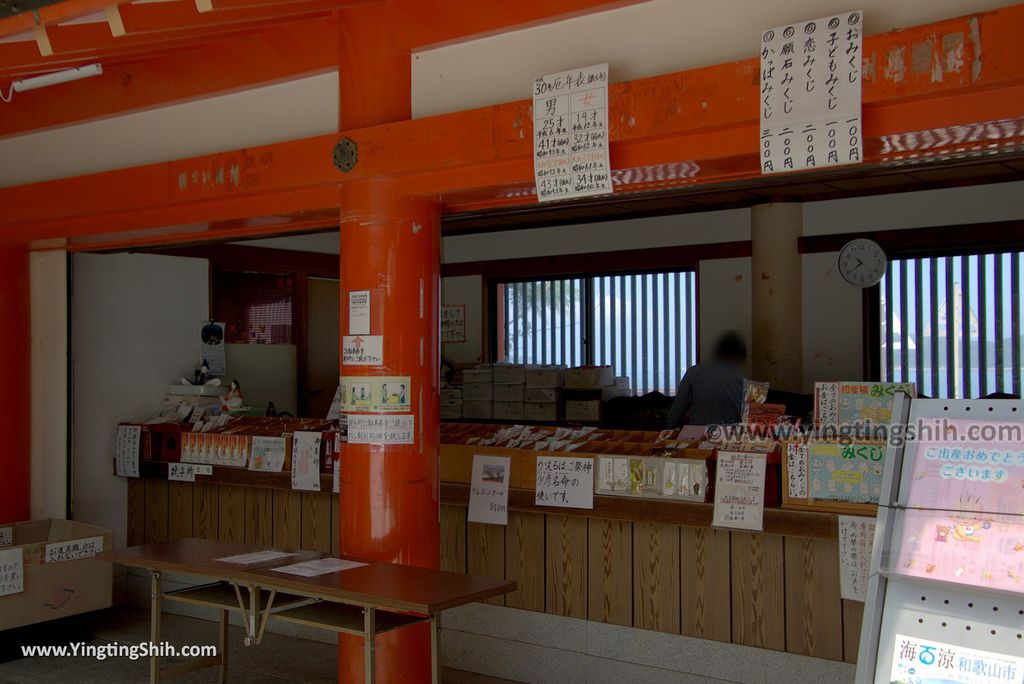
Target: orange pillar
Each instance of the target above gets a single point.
(15, 397)
(390, 247)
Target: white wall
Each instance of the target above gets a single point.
(724, 301)
(266, 373)
(135, 321)
(646, 39)
(49, 319)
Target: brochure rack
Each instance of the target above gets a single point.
(945, 599)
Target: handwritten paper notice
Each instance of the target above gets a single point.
(6, 536)
(810, 94)
(12, 572)
(739, 490)
(856, 535)
(126, 451)
(306, 461)
(453, 323)
(75, 549)
(488, 490)
(268, 454)
(323, 566)
(255, 557)
(186, 472)
(570, 134)
(362, 350)
(359, 312)
(374, 429)
(565, 482)
(796, 470)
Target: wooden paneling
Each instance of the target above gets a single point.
(610, 571)
(179, 510)
(566, 561)
(814, 619)
(705, 579)
(758, 610)
(524, 560)
(156, 511)
(259, 516)
(287, 519)
(205, 511)
(453, 538)
(486, 553)
(853, 614)
(335, 523)
(232, 513)
(136, 522)
(656, 577)
(316, 521)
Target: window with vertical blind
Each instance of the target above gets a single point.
(643, 325)
(952, 324)
(256, 308)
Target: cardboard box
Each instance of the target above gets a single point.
(588, 411)
(508, 410)
(542, 395)
(600, 394)
(478, 392)
(58, 579)
(451, 396)
(472, 376)
(589, 377)
(507, 374)
(451, 412)
(542, 411)
(508, 392)
(479, 410)
(545, 376)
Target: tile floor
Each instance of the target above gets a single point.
(279, 659)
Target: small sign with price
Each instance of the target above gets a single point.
(488, 490)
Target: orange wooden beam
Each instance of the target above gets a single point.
(692, 128)
(274, 54)
(54, 14)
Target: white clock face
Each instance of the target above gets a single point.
(862, 262)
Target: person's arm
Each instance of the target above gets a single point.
(681, 404)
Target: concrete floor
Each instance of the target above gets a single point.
(278, 659)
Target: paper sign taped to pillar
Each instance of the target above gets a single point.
(359, 312)
(376, 394)
(362, 350)
(382, 429)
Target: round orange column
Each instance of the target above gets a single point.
(15, 399)
(389, 503)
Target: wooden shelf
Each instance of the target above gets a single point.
(339, 617)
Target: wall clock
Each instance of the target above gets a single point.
(862, 262)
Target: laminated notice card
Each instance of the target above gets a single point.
(322, 566)
(126, 451)
(739, 490)
(306, 461)
(570, 134)
(856, 535)
(963, 521)
(924, 661)
(565, 482)
(810, 97)
(488, 489)
(12, 571)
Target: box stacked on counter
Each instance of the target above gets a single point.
(509, 390)
(451, 403)
(478, 393)
(586, 390)
(543, 394)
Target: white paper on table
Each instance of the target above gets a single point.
(739, 490)
(255, 557)
(488, 489)
(565, 482)
(856, 538)
(12, 571)
(129, 441)
(322, 566)
(306, 461)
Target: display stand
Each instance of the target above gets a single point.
(952, 589)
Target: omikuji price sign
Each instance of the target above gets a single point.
(565, 482)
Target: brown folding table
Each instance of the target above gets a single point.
(363, 601)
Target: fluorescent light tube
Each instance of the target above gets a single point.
(57, 77)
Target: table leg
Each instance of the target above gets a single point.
(222, 647)
(435, 655)
(369, 647)
(154, 627)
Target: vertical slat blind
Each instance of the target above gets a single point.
(643, 325)
(952, 325)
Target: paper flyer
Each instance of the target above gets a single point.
(306, 461)
(739, 490)
(488, 489)
(565, 482)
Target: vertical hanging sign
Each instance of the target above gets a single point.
(570, 134)
(811, 94)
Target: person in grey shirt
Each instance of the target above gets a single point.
(712, 393)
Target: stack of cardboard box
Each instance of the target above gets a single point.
(509, 391)
(478, 393)
(451, 403)
(586, 390)
(543, 394)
